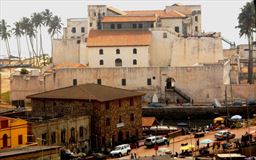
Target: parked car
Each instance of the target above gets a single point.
(150, 141)
(223, 135)
(121, 150)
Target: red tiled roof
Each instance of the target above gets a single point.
(147, 18)
(160, 13)
(108, 38)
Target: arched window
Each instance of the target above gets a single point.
(118, 62)
(134, 51)
(117, 51)
(101, 51)
(63, 136)
(101, 62)
(72, 136)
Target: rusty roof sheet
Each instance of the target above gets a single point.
(148, 121)
(142, 18)
(96, 92)
(108, 38)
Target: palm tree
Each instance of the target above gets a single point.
(31, 32)
(25, 25)
(54, 28)
(17, 31)
(246, 24)
(5, 35)
(47, 14)
(37, 21)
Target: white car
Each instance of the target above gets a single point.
(121, 150)
(150, 141)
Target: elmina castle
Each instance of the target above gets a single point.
(162, 52)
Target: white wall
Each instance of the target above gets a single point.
(172, 23)
(126, 54)
(66, 51)
(192, 50)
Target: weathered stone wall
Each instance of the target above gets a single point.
(192, 50)
(118, 112)
(201, 83)
(54, 108)
(23, 85)
(242, 91)
(66, 51)
(82, 140)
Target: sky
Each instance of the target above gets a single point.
(217, 15)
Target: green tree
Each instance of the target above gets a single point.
(246, 24)
(37, 21)
(25, 24)
(5, 35)
(54, 28)
(17, 31)
(47, 15)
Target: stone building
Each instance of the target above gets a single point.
(76, 28)
(115, 113)
(72, 132)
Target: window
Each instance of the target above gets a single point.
(101, 51)
(140, 25)
(134, 51)
(44, 138)
(149, 81)
(134, 25)
(78, 41)
(82, 30)
(73, 30)
(123, 82)
(112, 26)
(74, 82)
(53, 137)
(118, 62)
(154, 77)
(196, 18)
(164, 35)
(103, 13)
(107, 105)
(81, 131)
(131, 102)
(119, 26)
(152, 25)
(131, 117)
(4, 124)
(107, 121)
(99, 81)
(63, 136)
(90, 24)
(177, 29)
(120, 119)
(117, 51)
(101, 62)
(134, 62)
(94, 14)
(196, 28)
(72, 136)
(20, 139)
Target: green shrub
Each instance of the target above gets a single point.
(24, 71)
